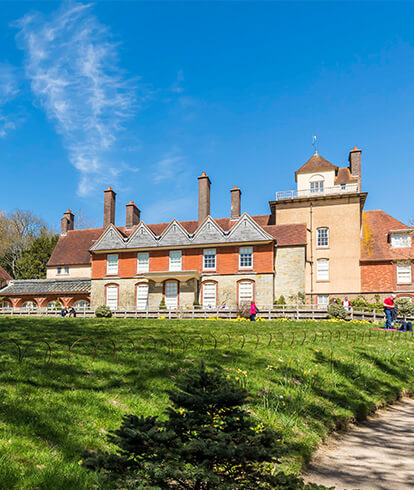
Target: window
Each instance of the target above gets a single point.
(323, 238)
(112, 297)
(209, 259)
(171, 294)
(51, 305)
(246, 258)
(63, 270)
(343, 187)
(112, 264)
(175, 260)
(142, 296)
(316, 187)
(29, 305)
(402, 240)
(245, 291)
(323, 300)
(5, 304)
(403, 273)
(322, 270)
(143, 262)
(209, 294)
(81, 304)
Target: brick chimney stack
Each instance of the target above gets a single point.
(355, 164)
(109, 207)
(235, 203)
(67, 223)
(133, 215)
(203, 197)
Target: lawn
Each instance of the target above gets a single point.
(306, 379)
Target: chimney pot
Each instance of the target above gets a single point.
(109, 207)
(203, 197)
(235, 202)
(133, 215)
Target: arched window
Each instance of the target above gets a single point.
(5, 304)
(322, 270)
(52, 305)
(322, 239)
(81, 304)
(316, 183)
(245, 291)
(142, 296)
(209, 294)
(112, 296)
(29, 305)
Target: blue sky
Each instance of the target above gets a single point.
(144, 96)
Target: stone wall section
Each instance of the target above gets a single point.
(290, 271)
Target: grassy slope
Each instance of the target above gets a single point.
(50, 413)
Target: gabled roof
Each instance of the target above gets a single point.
(314, 164)
(376, 226)
(73, 248)
(4, 275)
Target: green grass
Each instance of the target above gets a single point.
(310, 382)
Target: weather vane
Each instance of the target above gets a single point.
(315, 144)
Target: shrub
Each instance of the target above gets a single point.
(206, 440)
(337, 311)
(243, 310)
(280, 301)
(103, 312)
(58, 304)
(162, 305)
(405, 307)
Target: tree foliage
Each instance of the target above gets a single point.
(207, 440)
(32, 264)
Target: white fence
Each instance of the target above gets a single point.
(296, 312)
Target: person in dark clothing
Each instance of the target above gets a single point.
(63, 312)
(72, 312)
(406, 326)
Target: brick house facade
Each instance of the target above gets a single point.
(317, 240)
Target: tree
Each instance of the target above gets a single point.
(17, 232)
(32, 264)
(208, 440)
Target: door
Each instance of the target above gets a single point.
(209, 295)
(245, 292)
(171, 294)
(112, 297)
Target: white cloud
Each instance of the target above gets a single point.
(9, 88)
(167, 169)
(177, 85)
(72, 64)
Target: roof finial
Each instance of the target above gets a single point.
(315, 144)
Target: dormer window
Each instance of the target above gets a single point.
(400, 240)
(316, 187)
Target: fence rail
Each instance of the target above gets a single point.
(296, 312)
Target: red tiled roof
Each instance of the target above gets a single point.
(5, 276)
(376, 226)
(314, 164)
(73, 249)
(287, 235)
(344, 176)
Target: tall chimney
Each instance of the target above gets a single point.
(67, 223)
(109, 207)
(133, 215)
(203, 197)
(235, 203)
(355, 164)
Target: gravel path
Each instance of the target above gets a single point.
(376, 455)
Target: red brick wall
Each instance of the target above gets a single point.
(378, 276)
(227, 261)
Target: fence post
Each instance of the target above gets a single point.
(352, 313)
(297, 312)
(269, 315)
(375, 314)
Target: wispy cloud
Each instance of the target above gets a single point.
(169, 168)
(177, 85)
(73, 67)
(9, 88)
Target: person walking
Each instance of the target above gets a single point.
(346, 303)
(388, 310)
(253, 311)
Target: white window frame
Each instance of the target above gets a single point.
(400, 240)
(404, 274)
(143, 262)
(112, 264)
(209, 294)
(322, 270)
(84, 306)
(142, 300)
(317, 187)
(176, 259)
(110, 301)
(244, 298)
(323, 300)
(320, 239)
(244, 252)
(209, 264)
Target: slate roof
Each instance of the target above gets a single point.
(376, 226)
(4, 275)
(46, 286)
(315, 164)
(73, 249)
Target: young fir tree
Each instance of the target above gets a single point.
(207, 440)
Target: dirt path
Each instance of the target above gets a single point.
(376, 455)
